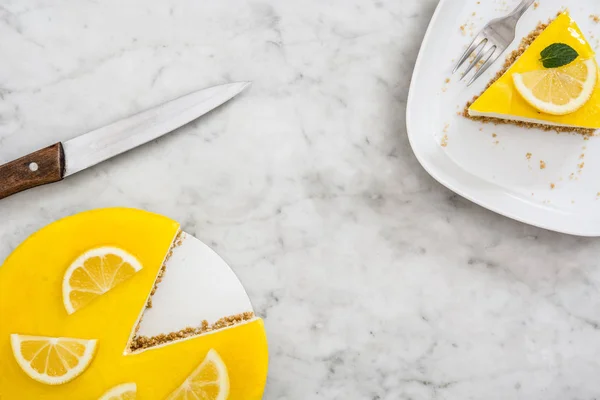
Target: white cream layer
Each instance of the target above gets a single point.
(197, 285)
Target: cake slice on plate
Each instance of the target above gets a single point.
(550, 82)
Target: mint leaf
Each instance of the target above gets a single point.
(558, 54)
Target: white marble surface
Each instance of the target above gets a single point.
(374, 281)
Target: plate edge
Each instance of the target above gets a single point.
(426, 167)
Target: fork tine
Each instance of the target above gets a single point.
(477, 58)
(472, 47)
(494, 54)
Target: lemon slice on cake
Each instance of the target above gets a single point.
(125, 391)
(558, 91)
(210, 381)
(94, 273)
(51, 360)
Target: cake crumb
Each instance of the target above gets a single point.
(542, 164)
(176, 243)
(595, 18)
(444, 142)
(552, 186)
(447, 80)
(528, 156)
(536, 5)
(144, 342)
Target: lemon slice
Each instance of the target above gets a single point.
(559, 91)
(125, 391)
(209, 381)
(51, 360)
(94, 273)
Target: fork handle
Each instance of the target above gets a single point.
(521, 8)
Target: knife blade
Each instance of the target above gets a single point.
(61, 160)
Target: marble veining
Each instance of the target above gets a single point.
(375, 282)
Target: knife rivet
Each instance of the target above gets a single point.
(33, 167)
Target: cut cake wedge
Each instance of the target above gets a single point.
(501, 102)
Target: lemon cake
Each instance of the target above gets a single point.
(550, 82)
(121, 304)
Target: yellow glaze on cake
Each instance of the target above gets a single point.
(31, 304)
(501, 99)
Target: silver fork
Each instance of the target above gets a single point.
(492, 41)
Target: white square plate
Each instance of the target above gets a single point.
(488, 163)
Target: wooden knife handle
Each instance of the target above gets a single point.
(36, 169)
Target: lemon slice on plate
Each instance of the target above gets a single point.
(559, 91)
(51, 360)
(210, 381)
(125, 391)
(94, 273)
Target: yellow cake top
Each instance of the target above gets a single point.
(502, 100)
(31, 304)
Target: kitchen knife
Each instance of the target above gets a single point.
(60, 160)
